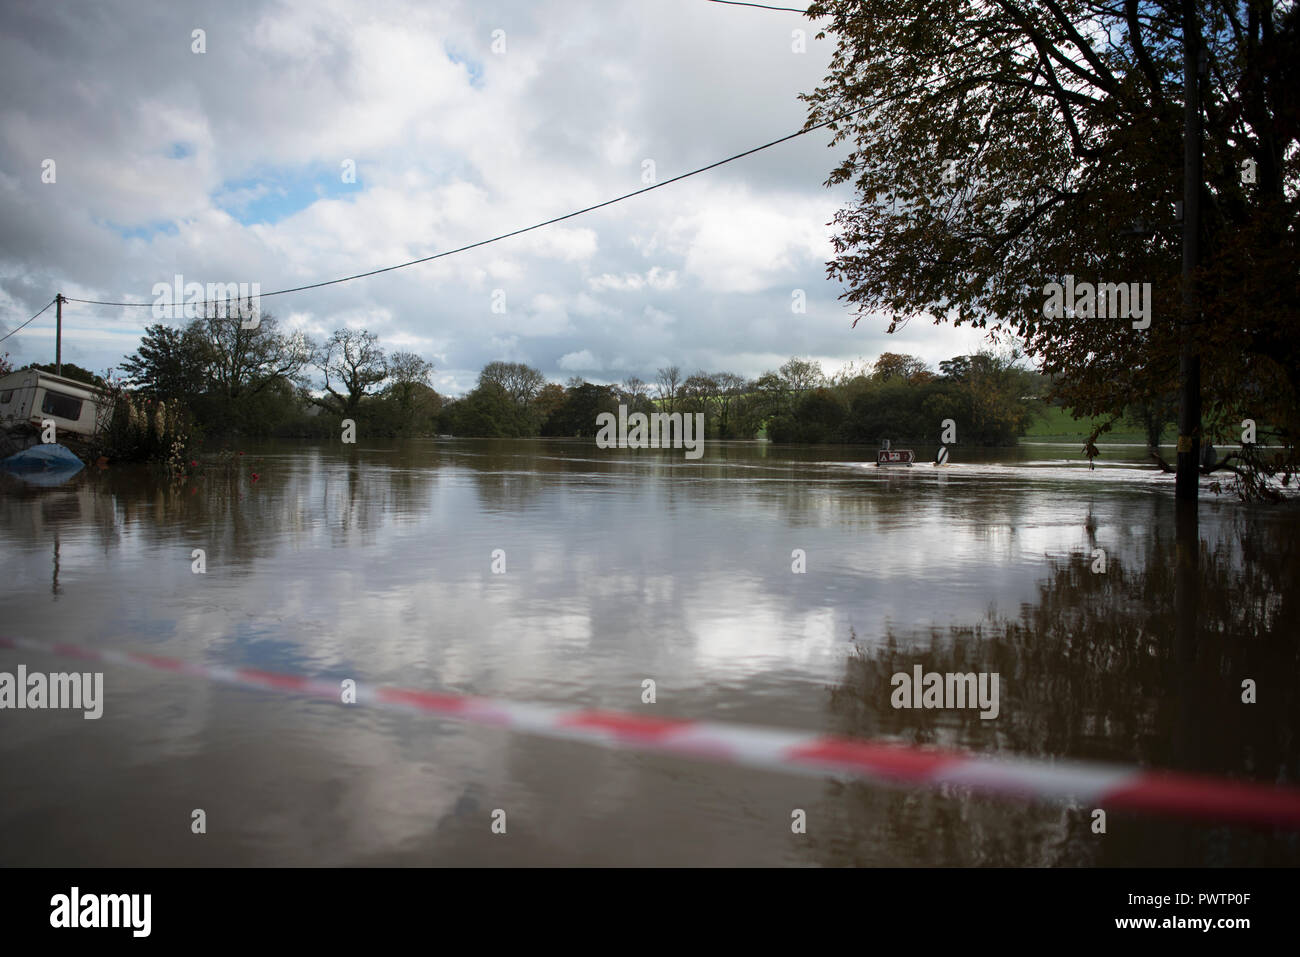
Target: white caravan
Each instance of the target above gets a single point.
(29, 396)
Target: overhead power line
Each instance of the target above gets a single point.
(515, 232)
(761, 6)
(31, 320)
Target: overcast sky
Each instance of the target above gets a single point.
(228, 166)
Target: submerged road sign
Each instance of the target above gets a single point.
(895, 457)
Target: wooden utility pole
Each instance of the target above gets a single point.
(1187, 478)
(58, 334)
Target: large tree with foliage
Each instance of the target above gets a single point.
(697, 392)
(731, 387)
(998, 146)
(583, 404)
(800, 375)
(240, 362)
(169, 363)
(352, 363)
(408, 386)
(519, 381)
(895, 365)
(247, 371)
(487, 411)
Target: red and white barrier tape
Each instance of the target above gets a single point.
(1096, 785)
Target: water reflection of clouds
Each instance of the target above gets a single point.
(376, 564)
(418, 542)
(755, 634)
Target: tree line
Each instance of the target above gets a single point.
(269, 381)
(989, 396)
(221, 379)
(263, 380)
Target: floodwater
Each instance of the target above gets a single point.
(375, 562)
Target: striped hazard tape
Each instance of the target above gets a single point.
(1111, 787)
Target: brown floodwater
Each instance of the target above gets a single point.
(375, 562)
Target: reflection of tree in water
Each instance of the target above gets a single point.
(32, 513)
(1092, 671)
(222, 508)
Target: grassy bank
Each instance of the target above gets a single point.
(1053, 424)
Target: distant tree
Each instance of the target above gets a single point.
(6, 366)
(816, 416)
(635, 393)
(893, 365)
(635, 389)
(957, 368)
(731, 387)
(519, 381)
(583, 402)
(800, 375)
(771, 395)
(852, 373)
(415, 415)
(820, 414)
(956, 401)
(407, 368)
(895, 410)
(550, 398)
(410, 392)
(169, 364)
(487, 411)
(999, 411)
(241, 362)
(697, 392)
(352, 363)
(667, 381)
(408, 378)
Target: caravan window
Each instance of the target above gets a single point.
(64, 406)
(6, 396)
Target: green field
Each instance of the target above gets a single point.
(1052, 423)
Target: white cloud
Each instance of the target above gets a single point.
(656, 278)
(736, 244)
(448, 152)
(582, 361)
